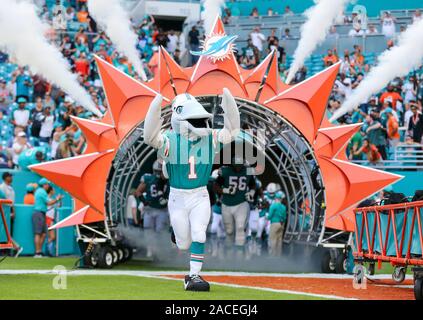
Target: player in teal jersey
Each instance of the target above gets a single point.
(188, 152)
(153, 189)
(31, 156)
(235, 186)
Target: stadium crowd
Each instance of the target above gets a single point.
(35, 116)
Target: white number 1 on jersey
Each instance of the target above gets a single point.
(192, 174)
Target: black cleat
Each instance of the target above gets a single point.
(196, 283)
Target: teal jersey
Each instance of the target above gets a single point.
(41, 200)
(269, 198)
(277, 212)
(189, 162)
(228, 177)
(154, 186)
(28, 158)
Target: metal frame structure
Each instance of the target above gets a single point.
(286, 150)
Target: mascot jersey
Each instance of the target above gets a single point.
(239, 180)
(153, 186)
(189, 162)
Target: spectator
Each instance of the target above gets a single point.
(277, 218)
(417, 15)
(409, 89)
(29, 196)
(269, 12)
(280, 51)
(250, 56)
(39, 225)
(370, 151)
(5, 96)
(7, 189)
(172, 44)
(82, 65)
(22, 79)
(288, 12)
(31, 156)
(415, 125)
(47, 123)
(70, 14)
(194, 43)
(254, 13)
(391, 96)
(82, 15)
(354, 146)
(49, 102)
(66, 149)
(40, 86)
(376, 134)
(392, 129)
(330, 58)
(21, 115)
(388, 24)
(153, 64)
(20, 144)
(356, 31)
(131, 209)
(257, 39)
(287, 34)
(36, 118)
(371, 29)
(7, 192)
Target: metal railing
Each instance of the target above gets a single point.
(403, 156)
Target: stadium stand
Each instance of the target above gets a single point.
(390, 137)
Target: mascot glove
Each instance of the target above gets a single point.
(153, 124)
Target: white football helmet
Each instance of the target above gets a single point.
(157, 168)
(271, 188)
(189, 116)
(215, 173)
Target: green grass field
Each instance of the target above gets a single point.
(110, 287)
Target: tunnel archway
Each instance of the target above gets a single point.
(289, 161)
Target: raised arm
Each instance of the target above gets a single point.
(231, 118)
(153, 124)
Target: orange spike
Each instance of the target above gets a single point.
(259, 72)
(84, 177)
(314, 92)
(93, 131)
(82, 216)
(218, 26)
(119, 88)
(341, 222)
(347, 184)
(337, 138)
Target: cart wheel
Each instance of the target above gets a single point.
(127, 253)
(341, 263)
(115, 255)
(371, 268)
(399, 274)
(418, 289)
(105, 257)
(120, 253)
(91, 259)
(328, 265)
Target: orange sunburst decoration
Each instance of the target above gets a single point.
(303, 105)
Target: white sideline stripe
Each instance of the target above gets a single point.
(206, 273)
(317, 295)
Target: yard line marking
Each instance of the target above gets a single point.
(205, 273)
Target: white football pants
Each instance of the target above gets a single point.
(235, 220)
(189, 211)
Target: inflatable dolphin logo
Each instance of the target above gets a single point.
(222, 44)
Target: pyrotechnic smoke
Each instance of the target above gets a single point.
(313, 32)
(212, 9)
(113, 18)
(22, 36)
(396, 62)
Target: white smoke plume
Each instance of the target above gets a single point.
(115, 21)
(212, 9)
(22, 36)
(320, 17)
(396, 62)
